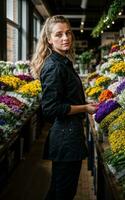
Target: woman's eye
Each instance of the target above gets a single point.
(68, 33)
(59, 35)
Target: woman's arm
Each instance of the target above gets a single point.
(90, 108)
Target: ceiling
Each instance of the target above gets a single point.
(89, 11)
(92, 9)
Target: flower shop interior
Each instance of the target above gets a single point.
(99, 30)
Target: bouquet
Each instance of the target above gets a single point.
(12, 103)
(118, 68)
(105, 67)
(121, 99)
(120, 87)
(92, 75)
(117, 124)
(104, 124)
(114, 48)
(94, 92)
(10, 82)
(104, 109)
(30, 89)
(117, 141)
(102, 81)
(113, 87)
(25, 77)
(6, 68)
(21, 67)
(20, 97)
(105, 94)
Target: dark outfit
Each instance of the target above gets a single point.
(65, 144)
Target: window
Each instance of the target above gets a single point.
(12, 43)
(36, 30)
(13, 28)
(12, 10)
(24, 40)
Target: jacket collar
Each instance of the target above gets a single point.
(56, 56)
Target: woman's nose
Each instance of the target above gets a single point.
(65, 36)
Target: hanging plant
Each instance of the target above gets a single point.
(107, 19)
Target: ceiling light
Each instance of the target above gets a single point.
(120, 13)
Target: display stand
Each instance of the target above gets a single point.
(13, 149)
(107, 187)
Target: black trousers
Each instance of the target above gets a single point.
(64, 180)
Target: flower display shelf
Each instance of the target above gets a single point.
(108, 186)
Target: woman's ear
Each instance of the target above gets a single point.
(49, 41)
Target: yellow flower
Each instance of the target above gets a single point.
(117, 141)
(94, 91)
(11, 81)
(31, 89)
(118, 68)
(88, 90)
(102, 81)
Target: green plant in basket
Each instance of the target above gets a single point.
(116, 160)
(117, 141)
(104, 124)
(118, 124)
(86, 57)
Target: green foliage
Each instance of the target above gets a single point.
(107, 19)
(86, 57)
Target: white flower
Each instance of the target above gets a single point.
(20, 62)
(9, 63)
(27, 62)
(113, 86)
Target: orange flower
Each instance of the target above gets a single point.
(106, 94)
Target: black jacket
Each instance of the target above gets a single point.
(62, 87)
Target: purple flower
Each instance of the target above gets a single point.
(120, 87)
(25, 77)
(16, 109)
(10, 101)
(104, 109)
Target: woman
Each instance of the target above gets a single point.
(63, 104)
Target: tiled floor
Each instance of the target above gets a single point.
(30, 179)
(85, 188)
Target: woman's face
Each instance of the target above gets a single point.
(61, 38)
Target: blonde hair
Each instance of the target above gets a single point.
(43, 48)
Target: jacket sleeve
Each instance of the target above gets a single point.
(52, 81)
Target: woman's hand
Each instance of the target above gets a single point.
(91, 108)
